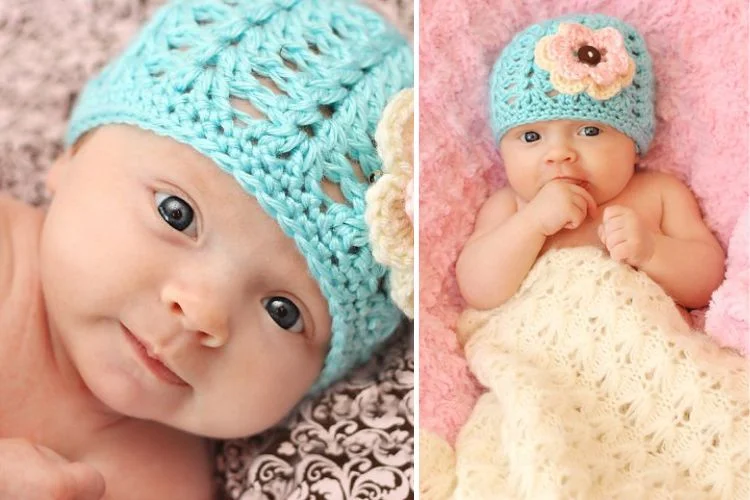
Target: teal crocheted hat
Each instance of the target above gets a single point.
(578, 67)
(316, 75)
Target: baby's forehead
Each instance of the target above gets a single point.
(160, 162)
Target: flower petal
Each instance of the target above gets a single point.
(602, 74)
(541, 54)
(576, 33)
(613, 43)
(565, 86)
(566, 56)
(610, 38)
(402, 289)
(602, 92)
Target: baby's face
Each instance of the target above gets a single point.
(177, 297)
(597, 156)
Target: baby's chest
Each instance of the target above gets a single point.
(584, 235)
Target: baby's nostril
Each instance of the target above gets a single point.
(209, 340)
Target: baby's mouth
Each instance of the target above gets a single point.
(155, 365)
(573, 180)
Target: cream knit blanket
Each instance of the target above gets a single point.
(597, 389)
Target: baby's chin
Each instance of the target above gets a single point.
(220, 428)
(215, 424)
(218, 422)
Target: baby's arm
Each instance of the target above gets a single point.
(149, 462)
(500, 252)
(508, 237)
(688, 261)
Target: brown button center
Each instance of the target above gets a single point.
(589, 55)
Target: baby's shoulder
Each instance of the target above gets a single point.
(662, 195)
(145, 460)
(499, 206)
(10, 206)
(19, 220)
(657, 182)
(20, 225)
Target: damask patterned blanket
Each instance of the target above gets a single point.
(597, 388)
(354, 441)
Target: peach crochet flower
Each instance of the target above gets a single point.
(579, 58)
(389, 199)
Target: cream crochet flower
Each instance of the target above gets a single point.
(389, 200)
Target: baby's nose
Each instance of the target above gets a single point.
(560, 153)
(199, 309)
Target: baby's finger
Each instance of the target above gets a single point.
(49, 454)
(614, 238)
(581, 204)
(614, 211)
(576, 215)
(614, 224)
(84, 481)
(620, 251)
(592, 208)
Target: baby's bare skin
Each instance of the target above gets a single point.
(38, 403)
(124, 334)
(639, 195)
(574, 183)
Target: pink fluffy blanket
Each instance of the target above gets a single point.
(699, 48)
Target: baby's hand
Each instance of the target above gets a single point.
(561, 204)
(626, 236)
(33, 472)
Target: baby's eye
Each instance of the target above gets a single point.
(530, 136)
(175, 211)
(589, 131)
(284, 313)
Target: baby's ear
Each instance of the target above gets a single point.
(58, 168)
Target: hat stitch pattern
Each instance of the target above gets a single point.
(285, 96)
(522, 91)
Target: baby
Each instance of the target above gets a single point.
(204, 263)
(572, 109)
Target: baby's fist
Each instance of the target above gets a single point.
(626, 236)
